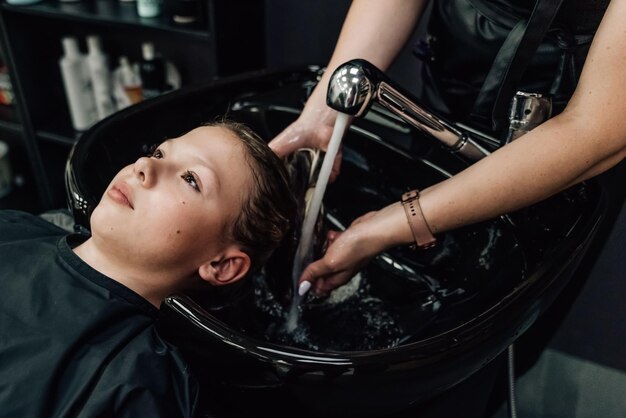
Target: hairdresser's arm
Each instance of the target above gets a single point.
(374, 30)
(588, 138)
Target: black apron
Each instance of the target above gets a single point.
(472, 54)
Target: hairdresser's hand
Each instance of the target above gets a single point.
(350, 251)
(312, 129)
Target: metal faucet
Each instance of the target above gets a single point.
(356, 84)
(528, 110)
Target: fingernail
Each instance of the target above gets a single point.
(304, 287)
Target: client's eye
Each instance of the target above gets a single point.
(156, 153)
(191, 178)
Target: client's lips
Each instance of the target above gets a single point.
(122, 194)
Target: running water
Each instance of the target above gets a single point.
(304, 253)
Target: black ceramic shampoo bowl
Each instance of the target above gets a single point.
(467, 299)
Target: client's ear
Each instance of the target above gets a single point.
(229, 267)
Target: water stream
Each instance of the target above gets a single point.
(304, 253)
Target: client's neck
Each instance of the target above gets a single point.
(153, 284)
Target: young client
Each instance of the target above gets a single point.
(77, 336)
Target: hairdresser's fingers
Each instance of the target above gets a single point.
(334, 172)
(324, 277)
(347, 253)
(301, 135)
(304, 287)
(287, 141)
(314, 271)
(332, 235)
(320, 137)
(314, 274)
(325, 285)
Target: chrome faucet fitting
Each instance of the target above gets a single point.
(528, 110)
(356, 84)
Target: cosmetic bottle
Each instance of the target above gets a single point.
(149, 8)
(152, 72)
(6, 88)
(77, 85)
(130, 83)
(100, 77)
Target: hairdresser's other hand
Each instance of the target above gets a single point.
(350, 251)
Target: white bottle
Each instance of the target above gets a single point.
(148, 8)
(77, 85)
(100, 77)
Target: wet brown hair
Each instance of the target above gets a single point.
(269, 209)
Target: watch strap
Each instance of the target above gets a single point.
(421, 231)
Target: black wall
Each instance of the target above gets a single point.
(304, 32)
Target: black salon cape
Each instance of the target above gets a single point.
(73, 342)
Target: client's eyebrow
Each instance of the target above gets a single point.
(207, 175)
(166, 142)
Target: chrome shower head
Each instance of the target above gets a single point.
(352, 87)
(356, 84)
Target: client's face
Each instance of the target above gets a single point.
(175, 207)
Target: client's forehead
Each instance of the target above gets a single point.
(220, 149)
(205, 134)
(212, 141)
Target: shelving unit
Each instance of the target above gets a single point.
(107, 12)
(228, 40)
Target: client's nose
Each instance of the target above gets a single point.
(145, 171)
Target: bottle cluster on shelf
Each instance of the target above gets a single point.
(95, 91)
(52, 98)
